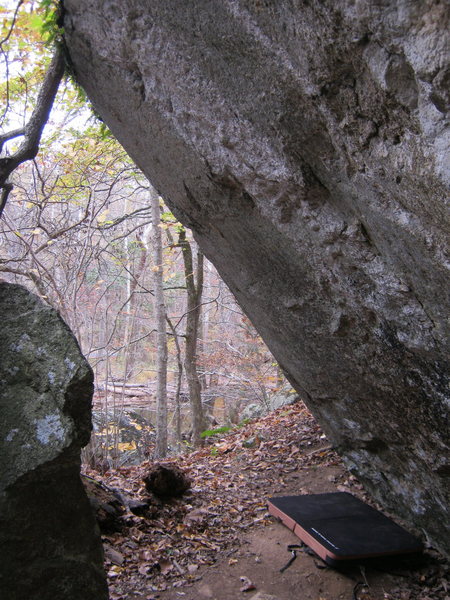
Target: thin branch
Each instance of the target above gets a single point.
(8, 35)
(116, 222)
(5, 58)
(29, 275)
(117, 349)
(10, 135)
(33, 130)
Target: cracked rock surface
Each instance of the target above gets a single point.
(49, 544)
(306, 145)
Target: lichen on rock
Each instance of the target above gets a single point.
(49, 545)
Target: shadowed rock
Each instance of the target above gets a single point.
(50, 547)
(307, 146)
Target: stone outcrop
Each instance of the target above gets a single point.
(50, 547)
(305, 143)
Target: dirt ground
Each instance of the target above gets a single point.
(264, 552)
(218, 542)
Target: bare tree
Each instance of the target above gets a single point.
(161, 316)
(194, 288)
(179, 362)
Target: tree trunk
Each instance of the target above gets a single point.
(160, 309)
(178, 388)
(194, 295)
(32, 131)
(131, 307)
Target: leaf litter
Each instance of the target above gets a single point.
(232, 478)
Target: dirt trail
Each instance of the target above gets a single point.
(200, 546)
(263, 553)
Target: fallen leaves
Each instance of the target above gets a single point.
(171, 547)
(193, 531)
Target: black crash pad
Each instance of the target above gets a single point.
(339, 527)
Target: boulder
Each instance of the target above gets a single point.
(306, 143)
(256, 410)
(50, 546)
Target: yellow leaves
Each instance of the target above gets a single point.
(102, 218)
(127, 446)
(166, 216)
(103, 215)
(110, 430)
(270, 378)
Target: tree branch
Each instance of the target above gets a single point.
(33, 129)
(9, 135)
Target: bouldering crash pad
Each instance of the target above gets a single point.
(339, 527)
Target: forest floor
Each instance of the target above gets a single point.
(218, 542)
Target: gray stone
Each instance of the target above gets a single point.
(250, 442)
(255, 410)
(49, 543)
(307, 146)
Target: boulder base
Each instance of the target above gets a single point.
(49, 543)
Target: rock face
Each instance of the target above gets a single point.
(49, 545)
(305, 143)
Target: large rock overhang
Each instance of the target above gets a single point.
(305, 143)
